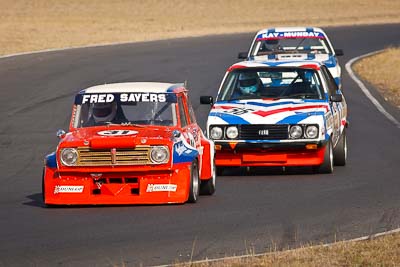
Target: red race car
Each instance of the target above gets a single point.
(130, 143)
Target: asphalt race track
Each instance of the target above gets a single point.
(250, 212)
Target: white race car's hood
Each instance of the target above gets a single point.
(258, 111)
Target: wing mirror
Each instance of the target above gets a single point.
(206, 100)
(339, 52)
(60, 134)
(242, 55)
(176, 134)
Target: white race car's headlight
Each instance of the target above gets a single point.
(69, 156)
(216, 133)
(159, 154)
(232, 132)
(295, 131)
(311, 131)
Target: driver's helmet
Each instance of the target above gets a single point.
(276, 78)
(248, 83)
(103, 112)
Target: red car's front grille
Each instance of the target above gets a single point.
(140, 155)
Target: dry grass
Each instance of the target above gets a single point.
(383, 71)
(383, 251)
(28, 25)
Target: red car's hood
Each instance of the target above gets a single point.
(117, 136)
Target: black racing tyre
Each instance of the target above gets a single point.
(207, 187)
(194, 189)
(340, 151)
(327, 165)
(220, 171)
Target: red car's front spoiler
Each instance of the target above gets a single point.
(80, 188)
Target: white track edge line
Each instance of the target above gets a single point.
(365, 90)
(70, 48)
(363, 238)
(103, 45)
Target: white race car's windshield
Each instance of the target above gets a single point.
(290, 45)
(124, 110)
(274, 83)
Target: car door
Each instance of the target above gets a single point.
(188, 124)
(335, 107)
(194, 128)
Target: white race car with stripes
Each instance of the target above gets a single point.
(278, 114)
(295, 43)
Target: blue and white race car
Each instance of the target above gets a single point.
(278, 114)
(295, 43)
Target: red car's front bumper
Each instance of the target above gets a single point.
(133, 187)
(270, 155)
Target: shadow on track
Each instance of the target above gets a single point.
(36, 200)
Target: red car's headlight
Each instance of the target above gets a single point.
(69, 156)
(159, 154)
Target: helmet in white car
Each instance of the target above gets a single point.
(248, 83)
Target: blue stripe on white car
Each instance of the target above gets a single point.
(297, 118)
(229, 118)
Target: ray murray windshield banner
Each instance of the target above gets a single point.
(94, 98)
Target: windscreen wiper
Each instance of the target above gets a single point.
(299, 44)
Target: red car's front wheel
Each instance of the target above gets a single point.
(194, 189)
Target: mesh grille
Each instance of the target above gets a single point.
(263, 132)
(140, 155)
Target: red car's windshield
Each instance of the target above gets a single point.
(147, 111)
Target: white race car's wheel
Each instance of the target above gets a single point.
(194, 189)
(207, 187)
(220, 171)
(327, 165)
(340, 151)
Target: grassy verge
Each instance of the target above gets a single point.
(28, 25)
(382, 251)
(383, 71)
